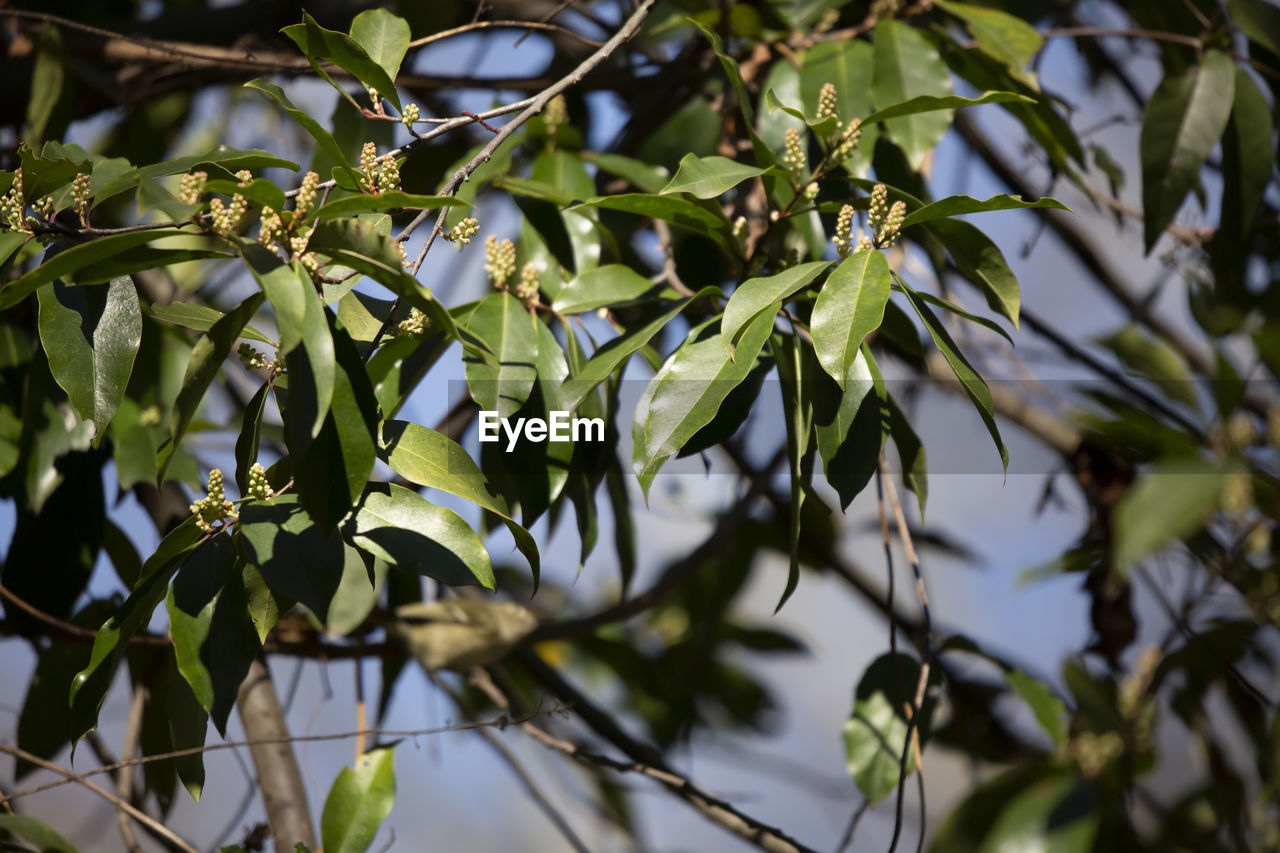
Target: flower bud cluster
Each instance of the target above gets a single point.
(369, 167)
(404, 256)
(191, 187)
(14, 205)
(80, 196)
(527, 289)
(226, 219)
(844, 231)
(1237, 494)
(415, 326)
(827, 106)
(499, 260)
(556, 116)
(848, 142)
(44, 206)
(271, 226)
(214, 506)
(1093, 752)
(884, 221)
(463, 231)
(740, 228)
(244, 176)
(254, 359)
(259, 488)
(794, 156)
(411, 114)
(306, 196)
(885, 8)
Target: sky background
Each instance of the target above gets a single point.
(454, 791)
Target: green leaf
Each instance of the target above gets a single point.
(35, 832)
(90, 685)
(612, 285)
(46, 722)
(849, 307)
(876, 731)
(330, 471)
(213, 639)
(172, 721)
(358, 803)
(384, 37)
(686, 392)
(294, 557)
(1029, 807)
(393, 200)
(1049, 710)
(247, 440)
(848, 65)
(973, 384)
(646, 177)
(907, 66)
(1155, 360)
(1169, 502)
(357, 593)
(322, 137)
(935, 103)
(135, 260)
(260, 191)
(757, 295)
(1247, 156)
(608, 357)
(764, 156)
(980, 260)
(795, 379)
(1184, 119)
(203, 365)
(960, 312)
(191, 315)
(1000, 35)
(75, 258)
(321, 45)
(509, 328)
(958, 205)
(1258, 20)
(673, 209)
(708, 177)
(358, 244)
(428, 458)
(413, 535)
(851, 425)
(49, 89)
(94, 380)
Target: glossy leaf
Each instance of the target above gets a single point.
(357, 593)
(974, 386)
(90, 685)
(645, 177)
(384, 37)
(413, 535)
(322, 137)
(247, 440)
(673, 209)
(686, 392)
(1258, 20)
(290, 551)
(191, 315)
(321, 45)
(391, 200)
(935, 103)
(509, 328)
(980, 260)
(1000, 35)
(849, 307)
(203, 365)
(428, 458)
(848, 65)
(958, 205)
(77, 257)
(213, 639)
(708, 177)
(757, 295)
(876, 731)
(851, 426)
(358, 803)
(907, 66)
(612, 285)
(1184, 119)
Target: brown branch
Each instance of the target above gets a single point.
(140, 816)
(719, 811)
(125, 778)
(501, 25)
(284, 795)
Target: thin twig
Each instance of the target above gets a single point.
(500, 722)
(137, 814)
(526, 781)
(502, 25)
(124, 779)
